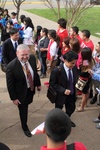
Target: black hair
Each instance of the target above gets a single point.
(57, 125)
(75, 45)
(66, 41)
(22, 17)
(75, 29)
(29, 22)
(4, 147)
(37, 35)
(45, 30)
(54, 36)
(6, 10)
(10, 22)
(86, 54)
(86, 33)
(13, 31)
(14, 14)
(99, 43)
(70, 56)
(62, 22)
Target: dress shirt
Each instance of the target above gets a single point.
(67, 71)
(24, 69)
(13, 42)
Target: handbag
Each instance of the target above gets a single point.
(80, 84)
(51, 95)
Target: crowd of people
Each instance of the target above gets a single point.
(26, 50)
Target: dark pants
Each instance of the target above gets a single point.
(69, 105)
(23, 109)
(43, 65)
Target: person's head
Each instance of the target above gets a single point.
(9, 24)
(74, 31)
(5, 12)
(85, 34)
(38, 29)
(14, 34)
(87, 59)
(22, 18)
(86, 54)
(28, 22)
(44, 32)
(4, 147)
(65, 42)
(75, 45)
(53, 35)
(70, 59)
(23, 53)
(97, 48)
(13, 15)
(62, 23)
(57, 125)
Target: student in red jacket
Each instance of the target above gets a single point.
(58, 128)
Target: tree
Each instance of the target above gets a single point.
(74, 9)
(2, 3)
(17, 4)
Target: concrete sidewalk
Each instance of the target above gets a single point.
(10, 130)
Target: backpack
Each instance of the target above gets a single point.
(70, 146)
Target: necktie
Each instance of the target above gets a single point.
(71, 87)
(15, 46)
(29, 77)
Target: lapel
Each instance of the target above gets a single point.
(11, 44)
(20, 68)
(64, 75)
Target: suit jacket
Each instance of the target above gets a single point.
(16, 81)
(59, 82)
(8, 51)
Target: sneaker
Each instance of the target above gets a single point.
(98, 126)
(96, 120)
(93, 101)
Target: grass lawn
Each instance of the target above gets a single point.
(90, 20)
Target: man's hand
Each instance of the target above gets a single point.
(67, 92)
(16, 102)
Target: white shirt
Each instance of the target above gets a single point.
(67, 71)
(28, 36)
(13, 42)
(31, 71)
(14, 20)
(54, 50)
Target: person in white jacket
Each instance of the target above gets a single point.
(28, 33)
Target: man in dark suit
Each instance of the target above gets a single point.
(63, 82)
(21, 82)
(9, 46)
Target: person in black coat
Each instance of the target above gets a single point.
(20, 89)
(61, 82)
(9, 46)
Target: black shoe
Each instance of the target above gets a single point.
(98, 103)
(73, 124)
(93, 101)
(28, 133)
(91, 94)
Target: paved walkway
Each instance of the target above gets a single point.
(10, 130)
